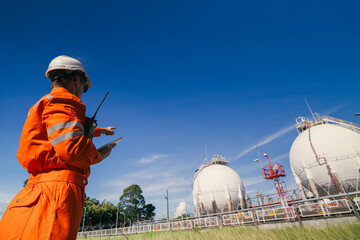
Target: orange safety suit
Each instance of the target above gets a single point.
(57, 155)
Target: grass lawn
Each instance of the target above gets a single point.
(343, 231)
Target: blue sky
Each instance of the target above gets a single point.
(183, 76)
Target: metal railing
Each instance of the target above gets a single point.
(302, 122)
(321, 207)
(205, 222)
(239, 218)
(272, 214)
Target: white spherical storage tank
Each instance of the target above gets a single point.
(325, 157)
(217, 188)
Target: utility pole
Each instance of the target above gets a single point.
(186, 217)
(167, 204)
(117, 216)
(83, 223)
(124, 217)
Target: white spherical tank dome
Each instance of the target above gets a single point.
(337, 148)
(219, 187)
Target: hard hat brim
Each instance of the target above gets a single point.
(88, 82)
(67, 63)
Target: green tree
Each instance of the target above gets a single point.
(25, 182)
(132, 205)
(107, 213)
(96, 211)
(91, 207)
(148, 211)
(188, 215)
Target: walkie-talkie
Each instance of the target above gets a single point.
(91, 124)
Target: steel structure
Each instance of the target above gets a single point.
(276, 172)
(310, 209)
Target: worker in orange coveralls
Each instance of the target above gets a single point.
(57, 155)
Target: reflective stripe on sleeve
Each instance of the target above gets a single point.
(63, 125)
(65, 136)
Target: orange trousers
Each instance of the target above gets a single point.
(50, 206)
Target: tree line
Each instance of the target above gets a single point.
(131, 208)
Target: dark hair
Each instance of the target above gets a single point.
(62, 75)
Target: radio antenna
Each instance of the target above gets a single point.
(310, 109)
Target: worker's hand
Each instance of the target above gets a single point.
(105, 151)
(108, 130)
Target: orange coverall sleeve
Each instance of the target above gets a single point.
(64, 120)
(97, 132)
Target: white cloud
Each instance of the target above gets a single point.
(139, 177)
(251, 191)
(170, 176)
(2, 208)
(278, 158)
(181, 209)
(154, 181)
(247, 169)
(119, 183)
(335, 109)
(112, 197)
(244, 170)
(267, 140)
(152, 158)
(252, 181)
(5, 199)
(150, 173)
(176, 184)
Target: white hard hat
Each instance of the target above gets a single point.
(67, 63)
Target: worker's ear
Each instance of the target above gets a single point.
(77, 82)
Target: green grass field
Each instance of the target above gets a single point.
(344, 231)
